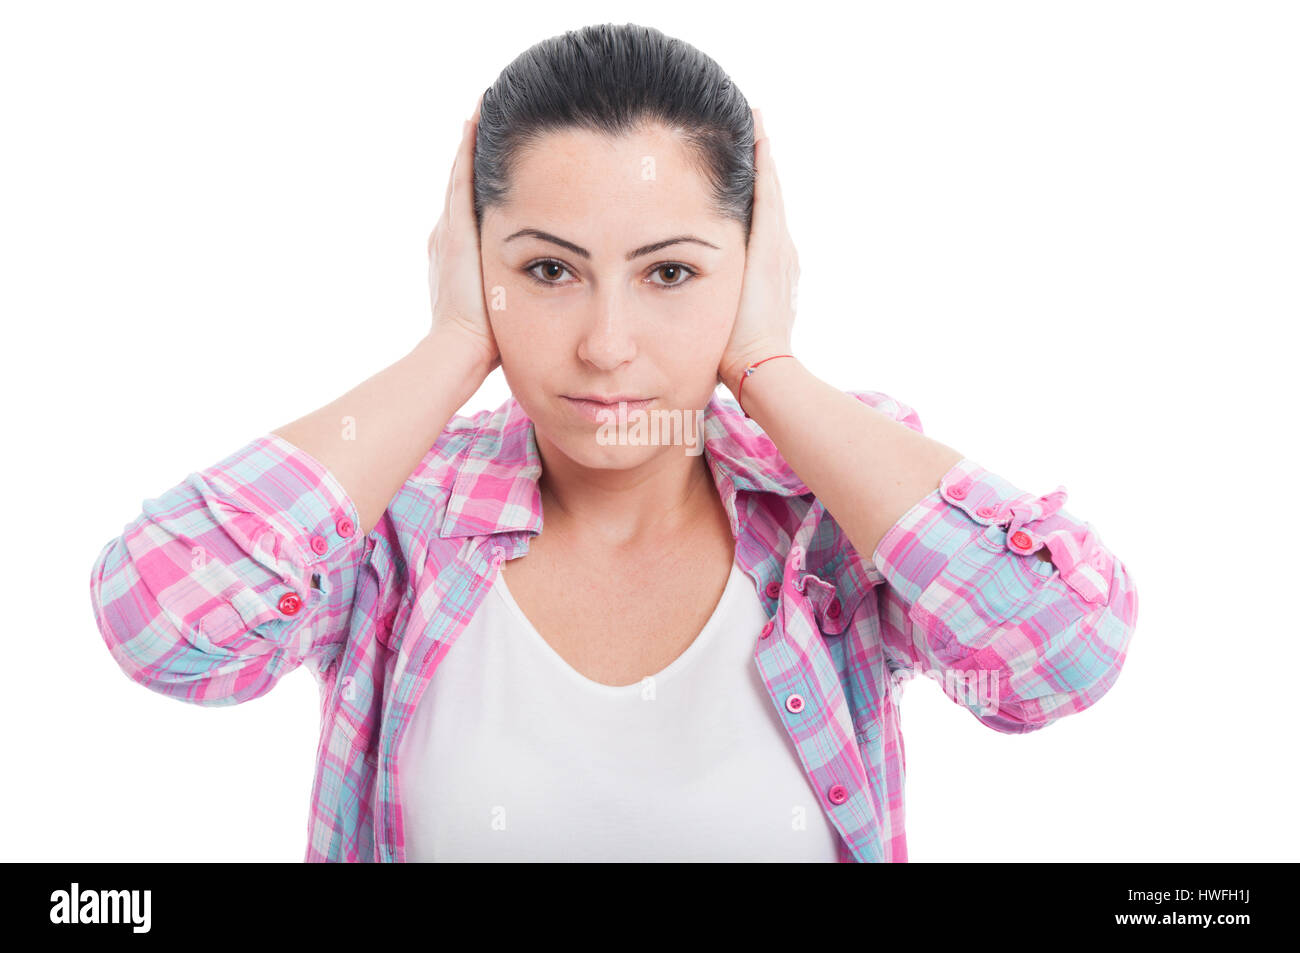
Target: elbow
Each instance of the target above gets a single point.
(161, 651)
(1067, 672)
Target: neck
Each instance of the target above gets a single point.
(654, 500)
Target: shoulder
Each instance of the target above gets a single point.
(470, 443)
(752, 461)
(889, 406)
(465, 438)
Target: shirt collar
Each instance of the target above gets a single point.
(496, 486)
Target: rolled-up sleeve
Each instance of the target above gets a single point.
(1018, 640)
(232, 578)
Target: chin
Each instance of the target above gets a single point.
(583, 447)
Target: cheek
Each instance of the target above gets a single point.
(516, 326)
(700, 333)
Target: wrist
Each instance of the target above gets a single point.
(733, 371)
(455, 358)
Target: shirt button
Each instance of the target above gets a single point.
(1021, 540)
(767, 629)
(957, 492)
(833, 610)
(345, 527)
(773, 589)
(838, 794)
(290, 604)
(319, 545)
(986, 511)
(794, 704)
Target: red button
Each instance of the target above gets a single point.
(290, 604)
(794, 704)
(767, 629)
(1021, 540)
(838, 794)
(957, 492)
(345, 527)
(319, 545)
(833, 610)
(773, 589)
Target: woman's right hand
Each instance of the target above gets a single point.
(455, 264)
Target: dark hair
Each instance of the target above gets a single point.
(611, 78)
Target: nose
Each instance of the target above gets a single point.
(610, 339)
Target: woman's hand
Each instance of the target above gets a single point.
(765, 315)
(455, 264)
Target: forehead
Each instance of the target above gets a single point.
(598, 183)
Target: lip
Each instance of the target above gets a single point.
(592, 407)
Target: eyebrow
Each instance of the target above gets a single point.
(579, 250)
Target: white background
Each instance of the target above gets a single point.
(1066, 233)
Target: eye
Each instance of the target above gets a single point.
(551, 268)
(548, 271)
(674, 272)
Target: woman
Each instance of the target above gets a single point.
(693, 659)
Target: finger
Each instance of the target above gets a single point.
(449, 202)
(767, 190)
(767, 207)
(448, 194)
(462, 192)
(769, 168)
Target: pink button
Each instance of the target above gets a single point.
(986, 511)
(834, 609)
(290, 604)
(957, 492)
(319, 545)
(794, 704)
(773, 589)
(345, 527)
(767, 629)
(838, 794)
(1021, 540)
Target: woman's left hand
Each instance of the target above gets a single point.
(765, 315)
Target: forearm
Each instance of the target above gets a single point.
(866, 469)
(375, 435)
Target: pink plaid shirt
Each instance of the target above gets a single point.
(254, 566)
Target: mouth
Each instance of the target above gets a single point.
(597, 408)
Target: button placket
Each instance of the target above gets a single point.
(827, 606)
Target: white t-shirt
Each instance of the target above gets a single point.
(514, 756)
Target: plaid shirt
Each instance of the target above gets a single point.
(254, 566)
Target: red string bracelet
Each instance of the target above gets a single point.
(749, 369)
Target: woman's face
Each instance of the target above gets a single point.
(609, 273)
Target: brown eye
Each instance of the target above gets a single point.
(673, 275)
(550, 270)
